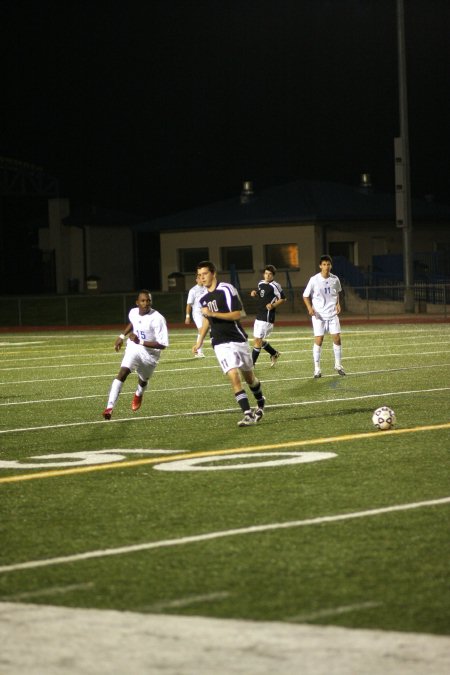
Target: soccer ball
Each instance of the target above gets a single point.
(383, 418)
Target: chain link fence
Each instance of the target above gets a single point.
(83, 310)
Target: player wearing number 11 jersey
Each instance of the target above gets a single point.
(321, 297)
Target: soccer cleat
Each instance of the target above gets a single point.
(136, 403)
(199, 355)
(274, 358)
(317, 374)
(248, 419)
(339, 370)
(259, 412)
(107, 413)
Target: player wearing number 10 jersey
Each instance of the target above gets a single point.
(321, 297)
(221, 309)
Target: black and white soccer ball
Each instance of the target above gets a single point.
(383, 418)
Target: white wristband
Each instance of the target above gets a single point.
(141, 342)
(122, 336)
(188, 316)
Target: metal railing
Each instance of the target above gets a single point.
(389, 299)
(99, 309)
(83, 310)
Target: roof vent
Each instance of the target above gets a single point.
(247, 191)
(365, 181)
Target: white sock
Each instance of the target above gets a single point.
(337, 355)
(140, 390)
(317, 349)
(199, 351)
(114, 392)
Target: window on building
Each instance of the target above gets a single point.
(239, 256)
(347, 249)
(283, 256)
(188, 258)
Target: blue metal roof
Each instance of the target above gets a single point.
(296, 202)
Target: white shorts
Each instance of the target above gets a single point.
(262, 329)
(197, 318)
(234, 355)
(322, 326)
(140, 359)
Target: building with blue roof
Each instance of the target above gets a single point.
(291, 225)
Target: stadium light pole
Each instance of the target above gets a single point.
(402, 173)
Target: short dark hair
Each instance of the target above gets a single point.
(326, 258)
(207, 263)
(271, 268)
(144, 291)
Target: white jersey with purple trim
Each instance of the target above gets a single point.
(324, 294)
(193, 298)
(151, 327)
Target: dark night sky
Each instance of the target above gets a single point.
(159, 105)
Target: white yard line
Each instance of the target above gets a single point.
(280, 337)
(216, 411)
(163, 370)
(226, 384)
(184, 602)
(110, 362)
(333, 611)
(53, 590)
(210, 536)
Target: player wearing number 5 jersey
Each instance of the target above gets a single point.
(147, 336)
(221, 309)
(321, 297)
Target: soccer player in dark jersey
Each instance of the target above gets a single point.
(271, 296)
(222, 310)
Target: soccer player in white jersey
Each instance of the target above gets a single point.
(222, 310)
(321, 297)
(193, 307)
(147, 337)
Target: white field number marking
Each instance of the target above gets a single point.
(82, 458)
(283, 458)
(93, 457)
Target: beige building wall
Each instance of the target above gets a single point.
(304, 235)
(106, 252)
(375, 238)
(109, 255)
(370, 238)
(66, 242)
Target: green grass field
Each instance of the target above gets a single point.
(107, 515)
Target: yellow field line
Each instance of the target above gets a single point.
(212, 453)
